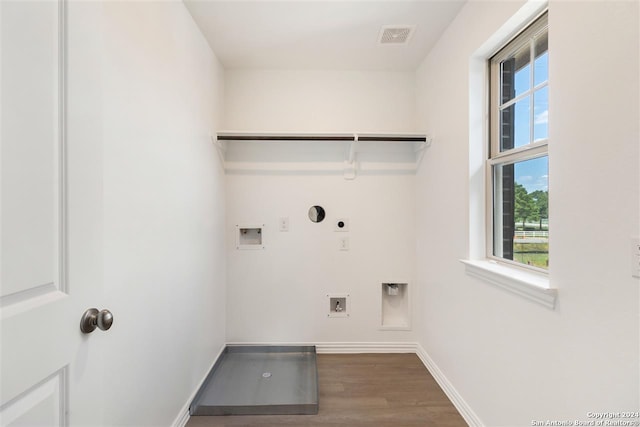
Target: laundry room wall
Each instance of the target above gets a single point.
(279, 294)
(545, 365)
(164, 209)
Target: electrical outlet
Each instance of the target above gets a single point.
(283, 224)
(344, 243)
(635, 257)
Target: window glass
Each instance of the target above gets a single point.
(541, 64)
(521, 212)
(518, 159)
(515, 74)
(515, 125)
(541, 114)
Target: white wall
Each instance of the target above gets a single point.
(319, 101)
(279, 294)
(164, 216)
(512, 360)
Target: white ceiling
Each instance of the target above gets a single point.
(320, 34)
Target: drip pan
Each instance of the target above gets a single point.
(260, 380)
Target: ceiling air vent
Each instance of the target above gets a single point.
(396, 34)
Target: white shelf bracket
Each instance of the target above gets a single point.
(353, 147)
(350, 163)
(221, 148)
(421, 150)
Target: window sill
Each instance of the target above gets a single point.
(527, 285)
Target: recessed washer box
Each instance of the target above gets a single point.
(250, 236)
(339, 305)
(395, 314)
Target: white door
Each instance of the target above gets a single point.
(51, 221)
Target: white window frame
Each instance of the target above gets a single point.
(533, 150)
(513, 277)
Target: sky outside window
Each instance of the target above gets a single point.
(533, 174)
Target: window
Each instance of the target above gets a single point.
(518, 160)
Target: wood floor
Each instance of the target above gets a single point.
(364, 390)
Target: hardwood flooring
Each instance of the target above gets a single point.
(364, 390)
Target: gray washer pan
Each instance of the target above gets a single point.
(260, 380)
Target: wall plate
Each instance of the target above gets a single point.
(343, 244)
(635, 257)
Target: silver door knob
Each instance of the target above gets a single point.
(92, 319)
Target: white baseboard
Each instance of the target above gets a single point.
(183, 416)
(365, 347)
(346, 347)
(465, 410)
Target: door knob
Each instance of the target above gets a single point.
(92, 319)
